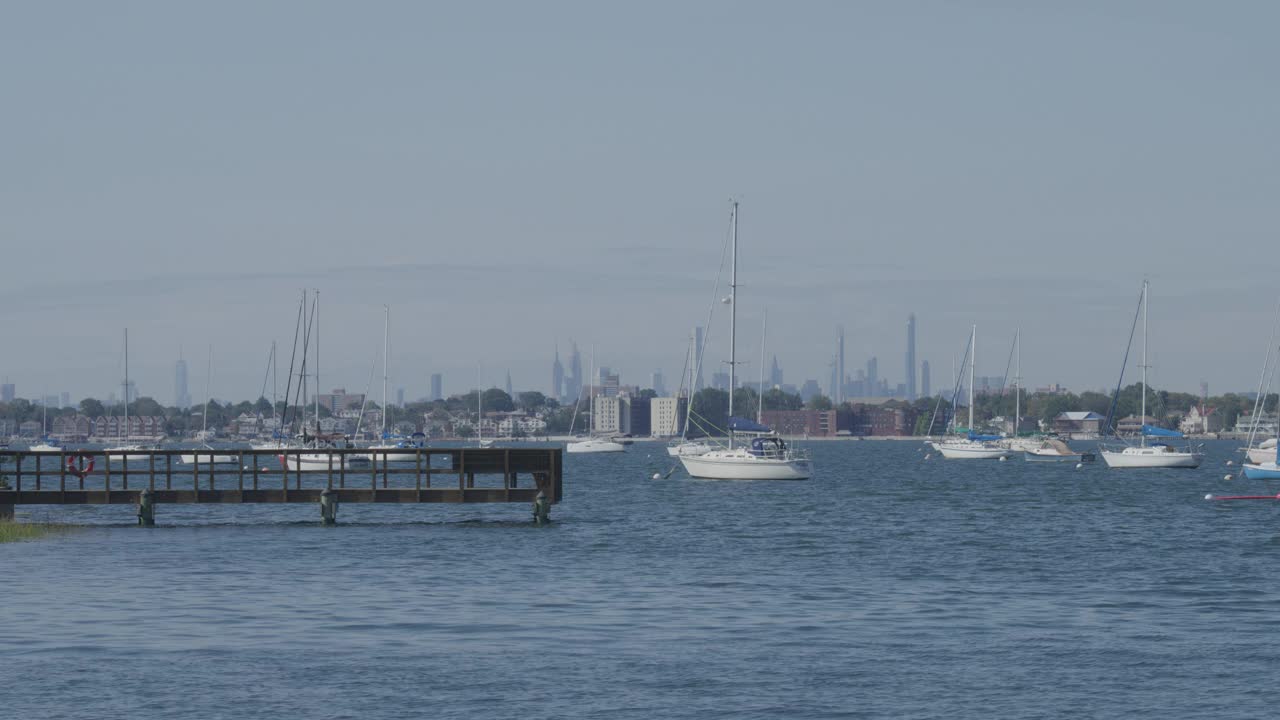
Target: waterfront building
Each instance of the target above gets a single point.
(802, 423)
(640, 410)
(666, 416)
(340, 400)
(1201, 421)
(610, 415)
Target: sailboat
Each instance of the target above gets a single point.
(683, 445)
(316, 461)
(388, 442)
(1158, 453)
(1268, 469)
(971, 446)
(211, 456)
(767, 457)
(125, 453)
(1266, 450)
(46, 444)
(592, 444)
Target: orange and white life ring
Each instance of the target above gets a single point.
(80, 465)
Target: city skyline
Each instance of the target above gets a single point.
(895, 165)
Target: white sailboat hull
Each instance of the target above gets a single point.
(741, 465)
(595, 446)
(393, 455)
(971, 451)
(1260, 455)
(316, 462)
(207, 458)
(1156, 456)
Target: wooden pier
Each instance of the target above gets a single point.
(158, 477)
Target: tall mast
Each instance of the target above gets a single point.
(764, 328)
(479, 410)
(1144, 361)
(273, 380)
(1017, 382)
(315, 300)
(733, 316)
(126, 384)
(386, 331)
(591, 391)
(306, 354)
(973, 360)
(204, 416)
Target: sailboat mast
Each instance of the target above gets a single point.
(386, 332)
(479, 410)
(591, 391)
(1017, 382)
(733, 316)
(204, 416)
(315, 300)
(126, 384)
(973, 360)
(764, 329)
(273, 379)
(1144, 361)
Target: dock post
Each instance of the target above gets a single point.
(146, 509)
(328, 507)
(541, 509)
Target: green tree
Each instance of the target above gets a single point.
(92, 408)
(710, 414)
(819, 402)
(532, 400)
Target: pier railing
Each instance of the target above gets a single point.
(435, 475)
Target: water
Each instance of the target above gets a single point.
(888, 586)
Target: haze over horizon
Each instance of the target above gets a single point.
(506, 176)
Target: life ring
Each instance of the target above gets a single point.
(80, 465)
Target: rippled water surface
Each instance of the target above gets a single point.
(888, 586)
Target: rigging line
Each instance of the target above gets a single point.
(288, 386)
(1115, 399)
(1259, 401)
(706, 335)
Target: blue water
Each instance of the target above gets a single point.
(888, 586)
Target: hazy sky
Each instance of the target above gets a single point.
(508, 174)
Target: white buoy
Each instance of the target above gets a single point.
(926, 457)
(1079, 465)
(1226, 477)
(657, 476)
(1003, 458)
(1230, 463)
(1208, 497)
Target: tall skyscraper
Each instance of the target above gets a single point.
(911, 356)
(775, 374)
(698, 359)
(573, 389)
(557, 376)
(7, 392)
(181, 395)
(873, 377)
(509, 383)
(924, 378)
(655, 382)
(437, 386)
(834, 383)
(65, 400)
(839, 397)
(400, 397)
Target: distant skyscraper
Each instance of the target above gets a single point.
(911, 357)
(508, 383)
(655, 382)
(181, 395)
(775, 374)
(924, 378)
(400, 397)
(66, 400)
(573, 389)
(7, 392)
(720, 380)
(557, 376)
(873, 377)
(834, 382)
(437, 386)
(840, 376)
(698, 358)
